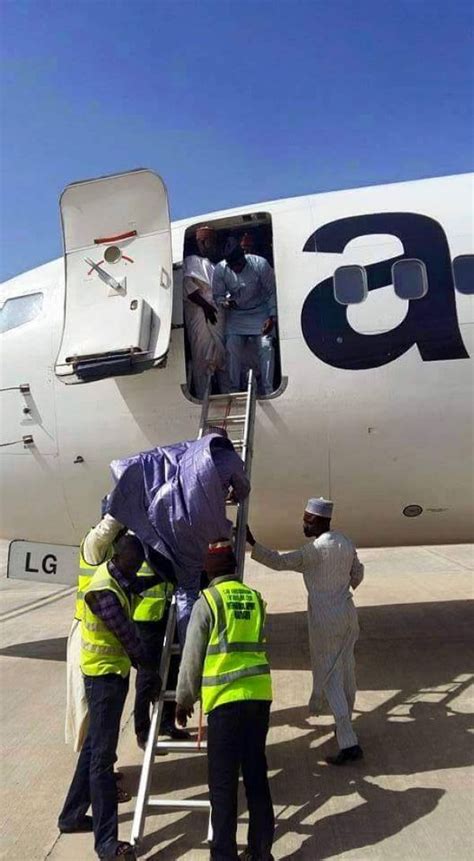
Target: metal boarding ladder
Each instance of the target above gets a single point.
(235, 413)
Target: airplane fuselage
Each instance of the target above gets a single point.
(374, 409)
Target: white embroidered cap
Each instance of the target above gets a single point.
(321, 507)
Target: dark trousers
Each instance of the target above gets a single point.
(151, 636)
(236, 735)
(93, 782)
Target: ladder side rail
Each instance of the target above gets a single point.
(143, 796)
(205, 407)
(247, 453)
(249, 422)
(150, 750)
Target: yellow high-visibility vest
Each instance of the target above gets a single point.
(86, 573)
(101, 651)
(150, 605)
(236, 665)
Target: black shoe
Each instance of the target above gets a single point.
(123, 850)
(346, 755)
(83, 825)
(168, 728)
(247, 855)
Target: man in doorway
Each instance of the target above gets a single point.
(109, 648)
(244, 284)
(330, 568)
(204, 320)
(247, 243)
(224, 663)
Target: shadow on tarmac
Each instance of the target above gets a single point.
(421, 656)
(41, 650)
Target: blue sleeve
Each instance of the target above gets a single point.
(218, 284)
(267, 278)
(239, 481)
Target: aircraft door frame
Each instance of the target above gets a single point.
(118, 276)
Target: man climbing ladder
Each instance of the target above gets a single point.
(234, 413)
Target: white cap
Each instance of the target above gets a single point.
(321, 507)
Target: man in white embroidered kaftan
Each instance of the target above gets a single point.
(330, 568)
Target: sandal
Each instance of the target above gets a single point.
(123, 796)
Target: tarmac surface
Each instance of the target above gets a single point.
(410, 798)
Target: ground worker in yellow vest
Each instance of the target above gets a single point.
(109, 647)
(95, 549)
(225, 665)
(150, 614)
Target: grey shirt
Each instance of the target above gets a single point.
(198, 633)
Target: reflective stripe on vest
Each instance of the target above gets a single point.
(150, 605)
(86, 573)
(236, 666)
(101, 651)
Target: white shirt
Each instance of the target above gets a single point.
(329, 564)
(202, 269)
(253, 290)
(99, 539)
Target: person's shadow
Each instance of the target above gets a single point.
(414, 661)
(432, 738)
(304, 788)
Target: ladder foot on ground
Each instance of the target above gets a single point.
(217, 411)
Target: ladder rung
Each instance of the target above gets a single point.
(228, 397)
(227, 419)
(182, 746)
(235, 410)
(168, 696)
(178, 802)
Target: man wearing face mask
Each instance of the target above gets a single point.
(244, 284)
(330, 568)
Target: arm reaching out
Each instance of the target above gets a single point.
(192, 660)
(240, 484)
(218, 284)
(99, 539)
(357, 572)
(293, 561)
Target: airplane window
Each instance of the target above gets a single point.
(19, 310)
(410, 279)
(463, 268)
(112, 254)
(350, 285)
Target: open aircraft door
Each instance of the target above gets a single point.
(118, 276)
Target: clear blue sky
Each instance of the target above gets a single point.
(231, 101)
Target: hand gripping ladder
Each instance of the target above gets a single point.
(235, 413)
